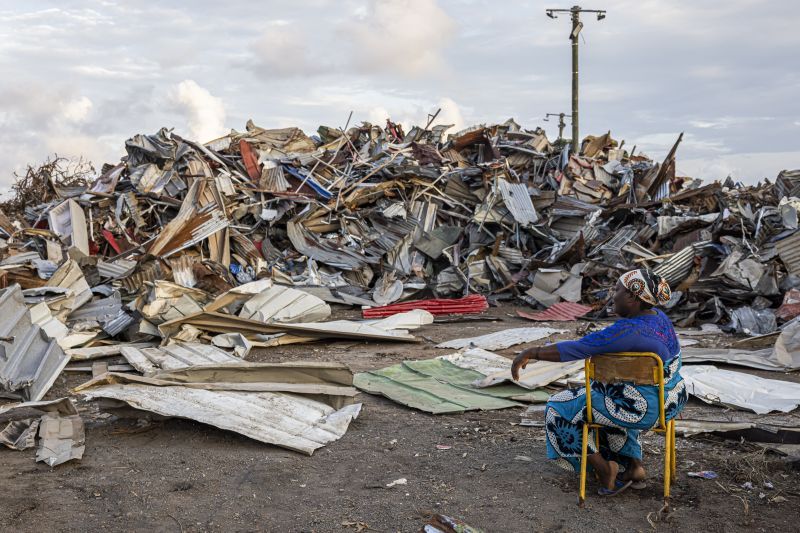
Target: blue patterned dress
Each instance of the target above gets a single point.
(624, 408)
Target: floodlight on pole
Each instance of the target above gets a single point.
(561, 123)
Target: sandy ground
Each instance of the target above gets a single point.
(178, 475)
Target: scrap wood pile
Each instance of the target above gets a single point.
(209, 250)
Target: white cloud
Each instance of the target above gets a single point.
(378, 115)
(450, 114)
(407, 36)
(726, 122)
(746, 167)
(77, 110)
(282, 51)
(205, 113)
(657, 145)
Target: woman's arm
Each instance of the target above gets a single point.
(543, 353)
(615, 338)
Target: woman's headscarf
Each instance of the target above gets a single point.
(647, 286)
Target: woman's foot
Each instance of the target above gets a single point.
(607, 471)
(635, 472)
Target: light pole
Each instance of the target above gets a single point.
(577, 26)
(561, 123)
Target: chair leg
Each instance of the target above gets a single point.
(674, 456)
(667, 465)
(584, 448)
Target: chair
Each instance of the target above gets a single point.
(642, 369)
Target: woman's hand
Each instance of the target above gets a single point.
(521, 361)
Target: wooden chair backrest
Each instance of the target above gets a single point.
(609, 368)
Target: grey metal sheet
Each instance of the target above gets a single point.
(19, 259)
(518, 201)
(100, 310)
(30, 361)
(501, 339)
(286, 420)
(118, 324)
(308, 245)
(566, 206)
(115, 269)
(619, 239)
(175, 356)
(676, 268)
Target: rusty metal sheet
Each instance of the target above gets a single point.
(560, 312)
(789, 252)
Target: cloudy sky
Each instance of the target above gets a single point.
(84, 75)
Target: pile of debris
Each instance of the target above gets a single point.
(372, 216)
(211, 249)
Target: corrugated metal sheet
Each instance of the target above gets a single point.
(20, 259)
(663, 192)
(789, 252)
(118, 324)
(285, 305)
(308, 245)
(787, 181)
(676, 268)
(346, 329)
(30, 361)
(518, 201)
(469, 304)
(286, 420)
(150, 272)
(560, 312)
(512, 255)
(434, 386)
(567, 227)
(115, 269)
(619, 239)
(100, 310)
(107, 312)
(175, 356)
(501, 339)
(497, 369)
(566, 206)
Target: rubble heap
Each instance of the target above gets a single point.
(373, 215)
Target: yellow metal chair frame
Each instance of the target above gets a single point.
(599, 366)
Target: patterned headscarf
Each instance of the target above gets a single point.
(647, 286)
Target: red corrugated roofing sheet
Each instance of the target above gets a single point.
(560, 312)
(460, 306)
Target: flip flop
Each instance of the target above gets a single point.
(639, 485)
(619, 488)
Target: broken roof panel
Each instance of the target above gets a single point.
(501, 339)
(290, 421)
(789, 252)
(174, 356)
(740, 390)
(30, 361)
(518, 201)
(285, 305)
(59, 428)
(474, 303)
(419, 391)
(559, 312)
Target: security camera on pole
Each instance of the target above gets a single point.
(577, 26)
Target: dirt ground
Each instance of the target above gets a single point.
(182, 476)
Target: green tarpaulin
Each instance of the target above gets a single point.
(438, 386)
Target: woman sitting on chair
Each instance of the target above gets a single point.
(624, 408)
